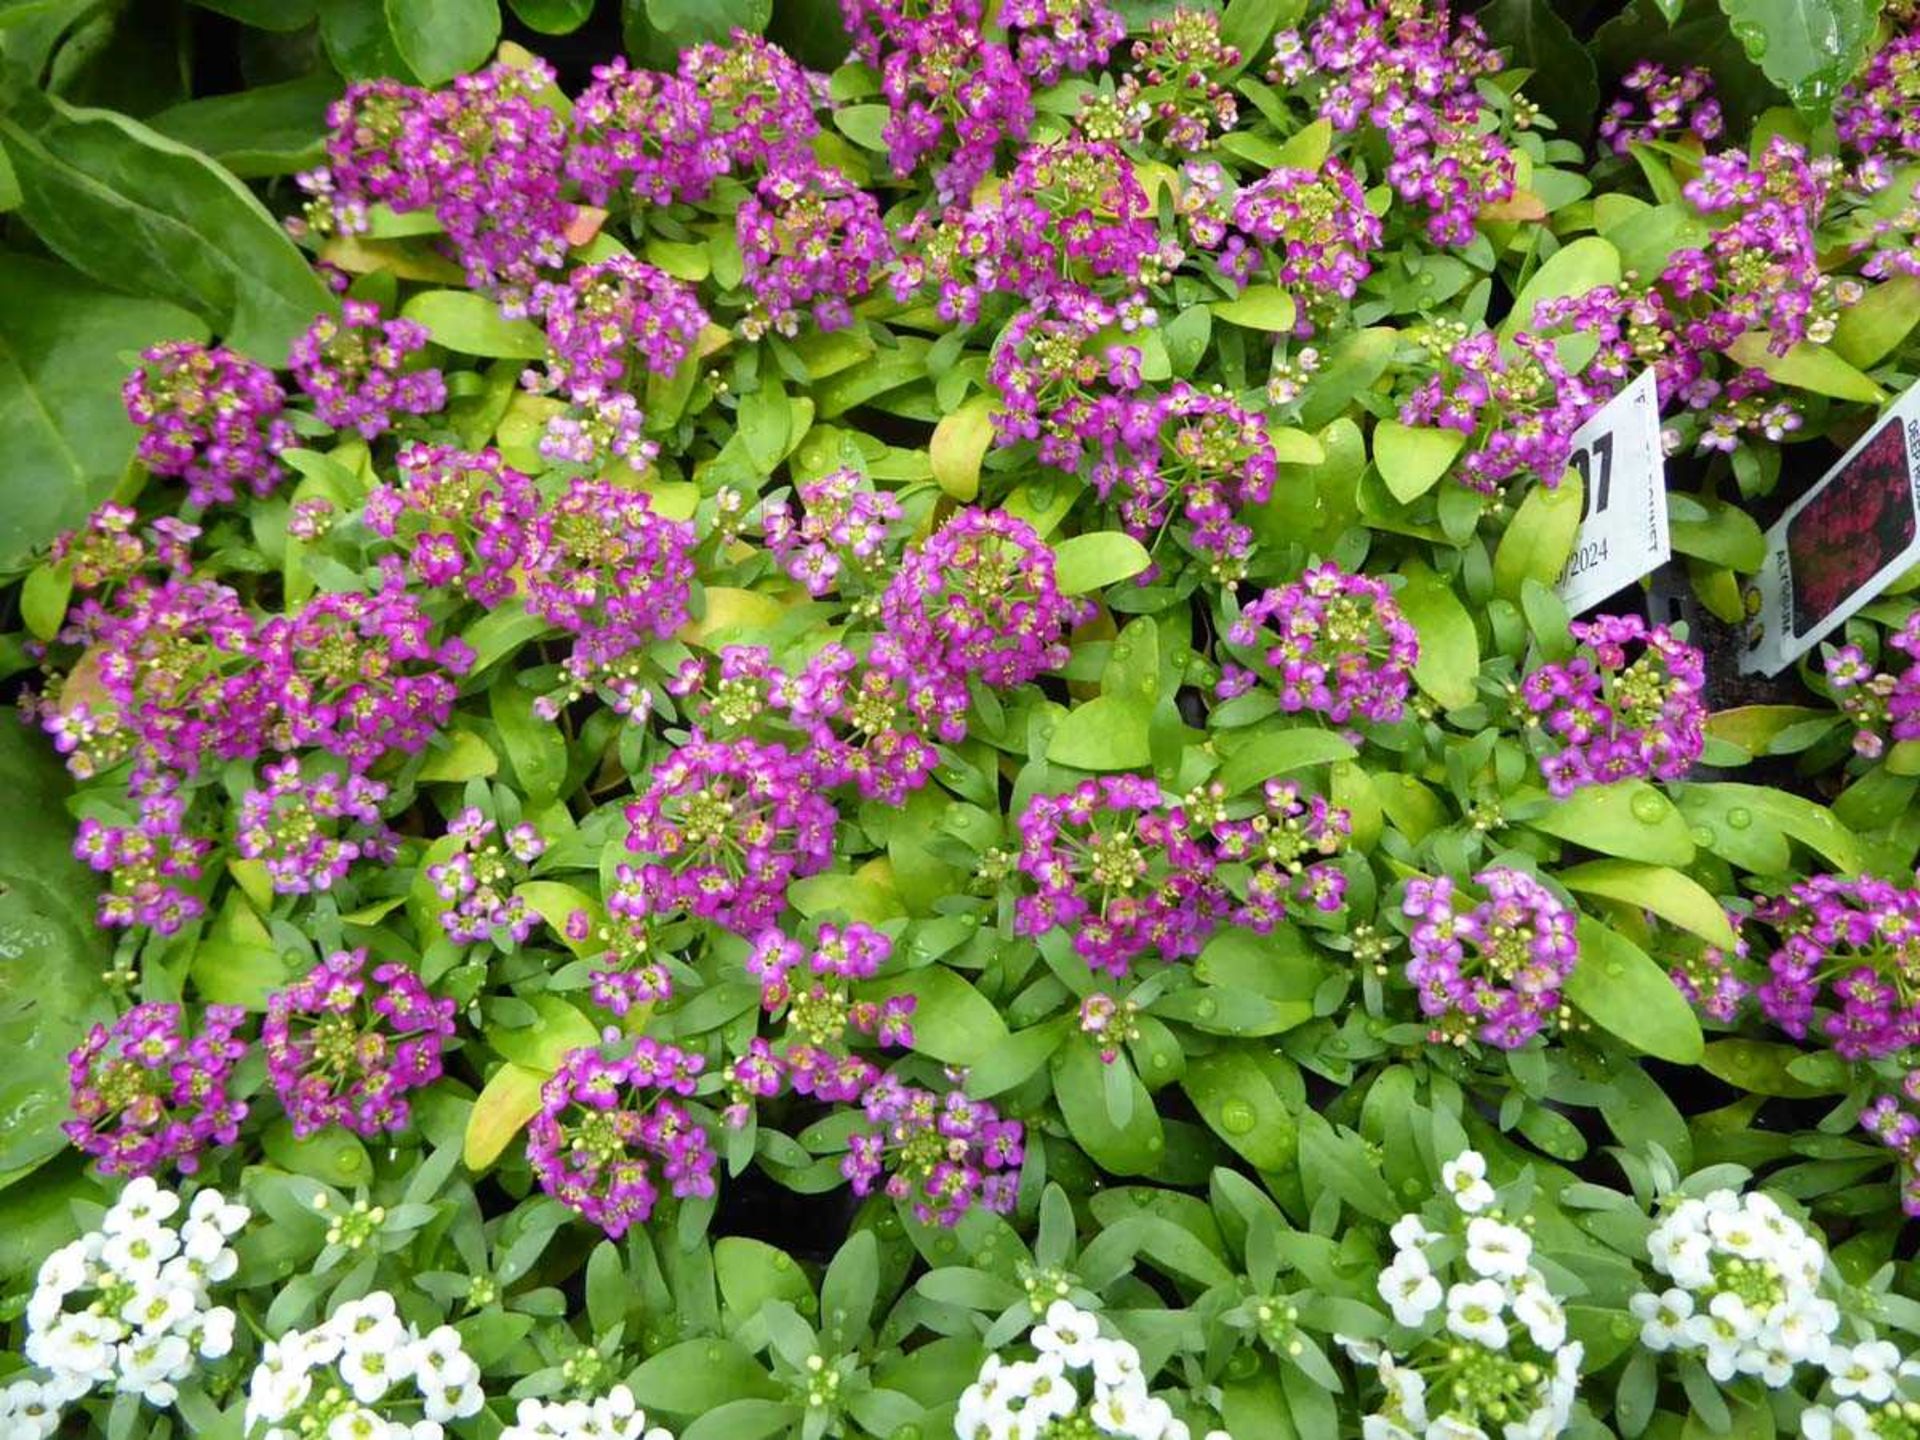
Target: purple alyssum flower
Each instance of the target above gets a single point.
(146, 1095)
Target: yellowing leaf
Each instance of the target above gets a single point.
(1412, 459)
(728, 610)
(510, 1099)
(1807, 367)
(1258, 307)
(960, 442)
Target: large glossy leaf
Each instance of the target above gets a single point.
(1619, 987)
(134, 209)
(266, 130)
(440, 39)
(51, 953)
(1809, 48)
(63, 430)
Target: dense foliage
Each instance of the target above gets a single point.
(873, 734)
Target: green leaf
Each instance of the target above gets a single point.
(1258, 307)
(1808, 367)
(261, 131)
(952, 1022)
(231, 971)
(752, 1272)
(1109, 732)
(699, 1375)
(766, 418)
(1413, 458)
(1449, 662)
(1666, 892)
(464, 756)
(536, 748)
(1619, 987)
(63, 427)
(1539, 538)
(1080, 1081)
(440, 39)
(752, 1418)
(960, 442)
(1758, 1067)
(1277, 752)
(1565, 83)
(43, 599)
(1586, 264)
(1097, 560)
(552, 17)
(51, 953)
(557, 1029)
(1750, 824)
(1753, 727)
(1809, 48)
(132, 208)
(1628, 818)
(333, 1155)
(37, 1219)
(473, 325)
(1237, 1100)
(1870, 331)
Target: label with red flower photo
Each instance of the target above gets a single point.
(1840, 544)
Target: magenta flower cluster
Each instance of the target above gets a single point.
(726, 826)
(976, 601)
(1880, 704)
(1332, 644)
(1119, 870)
(310, 831)
(356, 371)
(475, 883)
(607, 1128)
(1656, 103)
(209, 417)
(1629, 705)
(347, 1047)
(485, 155)
(941, 1156)
(1408, 74)
(146, 1096)
(840, 538)
(647, 137)
(461, 517)
(1491, 970)
(811, 242)
(603, 566)
(1846, 961)
(609, 326)
(807, 986)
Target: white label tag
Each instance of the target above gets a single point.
(1840, 544)
(1623, 520)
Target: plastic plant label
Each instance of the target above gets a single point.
(1840, 544)
(1623, 521)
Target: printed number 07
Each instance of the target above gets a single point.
(1594, 498)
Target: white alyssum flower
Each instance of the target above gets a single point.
(355, 1375)
(1465, 1179)
(612, 1416)
(28, 1411)
(129, 1306)
(1488, 1329)
(1497, 1250)
(1745, 1296)
(1078, 1375)
(1409, 1288)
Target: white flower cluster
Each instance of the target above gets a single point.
(128, 1306)
(1746, 1289)
(1028, 1399)
(1502, 1336)
(1876, 1390)
(613, 1416)
(327, 1381)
